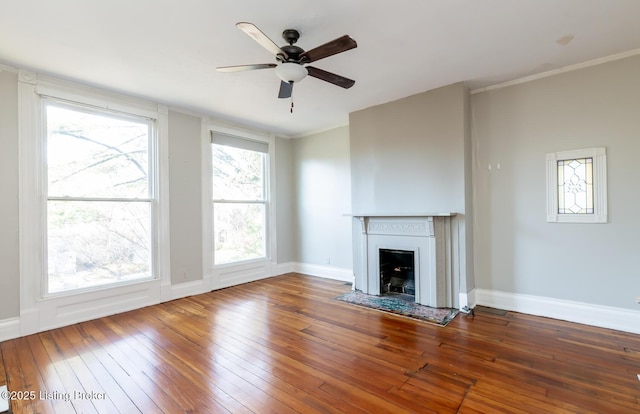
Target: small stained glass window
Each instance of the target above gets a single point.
(575, 186)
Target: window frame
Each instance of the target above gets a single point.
(599, 215)
(264, 201)
(229, 274)
(38, 311)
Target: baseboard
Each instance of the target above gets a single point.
(9, 329)
(467, 299)
(232, 275)
(328, 272)
(589, 314)
(283, 268)
(67, 310)
(182, 290)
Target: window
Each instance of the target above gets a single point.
(98, 197)
(239, 189)
(576, 186)
(94, 202)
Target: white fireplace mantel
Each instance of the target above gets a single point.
(428, 236)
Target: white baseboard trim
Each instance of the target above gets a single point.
(226, 276)
(283, 268)
(182, 290)
(589, 314)
(328, 272)
(67, 310)
(467, 299)
(9, 329)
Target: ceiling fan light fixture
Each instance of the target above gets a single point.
(291, 72)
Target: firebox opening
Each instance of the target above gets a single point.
(397, 273)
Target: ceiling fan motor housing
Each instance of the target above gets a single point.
(293, 52)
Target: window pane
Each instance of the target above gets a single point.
(96, 155)
(239, 232)
(95, 243)
(575, 186)
(238, 174)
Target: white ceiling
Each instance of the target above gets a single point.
(168, 50)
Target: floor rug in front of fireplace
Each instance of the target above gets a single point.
(399, 305)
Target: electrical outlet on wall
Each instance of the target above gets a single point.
(638, 299)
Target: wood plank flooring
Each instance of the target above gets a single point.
(282, 345)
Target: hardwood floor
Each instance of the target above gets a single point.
(283, 346)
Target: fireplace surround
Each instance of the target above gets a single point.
(431, 238)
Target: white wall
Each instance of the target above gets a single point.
(322, 193)
(9, 254)
(516, 250)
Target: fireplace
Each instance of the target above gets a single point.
(410, 255)
(397, 272)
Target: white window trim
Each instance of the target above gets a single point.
(599, 156)
(229, 274)
(38, 311)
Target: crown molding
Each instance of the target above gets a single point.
(7, 68)
(558, 71)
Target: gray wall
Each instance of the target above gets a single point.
(407, 156)
(467, 278)
(285, 206)
(185, 186)
(322, 198)
(517, 251)
(9, 252)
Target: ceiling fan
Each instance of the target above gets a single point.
(292, 59)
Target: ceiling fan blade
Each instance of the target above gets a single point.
(261, 38)
(339, 45)
(241, 68)
(286, 88)
(330, 77)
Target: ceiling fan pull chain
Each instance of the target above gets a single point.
(291, 110)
